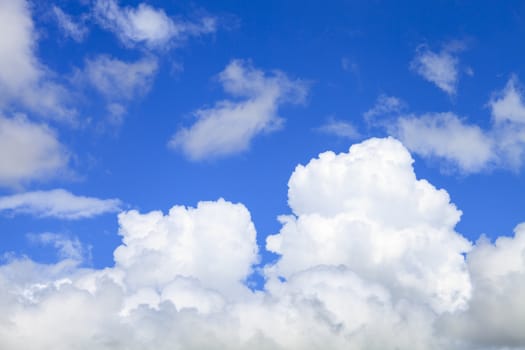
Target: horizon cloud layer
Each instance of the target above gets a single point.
(368, 259)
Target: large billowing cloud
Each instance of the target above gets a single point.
(369, 259)
(230, 125)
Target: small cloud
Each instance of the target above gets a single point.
(465, 146)
(446, 136)
(75, 30)
(384, 106)
(29, 151)
(348, 65)
(147, 25)
(439, 68)
(339, 128)
(119, 80)
(229, 126)
(67, 248)
(508, 105)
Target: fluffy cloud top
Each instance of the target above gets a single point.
(146, 24)
(367, 211)
(214, 243)
(57, 203)
(23, 79)
(439, 68)
(29, 151)
(369, 259)
(229, 126)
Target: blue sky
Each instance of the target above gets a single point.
(129, 107)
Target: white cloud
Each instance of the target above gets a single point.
(496, 313)
(57, 203)
(120, 80)
(367, 211)
(444, 135)
(370, 257)
(438, 68)
(340, 128)
(229, 126)
(76, 30)
(24, 80)
(462, 145)
(67, 248)
(147, 25)
(507, 105)
(214, 243)
(384, 106)
(29, 151)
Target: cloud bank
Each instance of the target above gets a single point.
(368, 259)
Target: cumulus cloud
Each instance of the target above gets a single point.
(368, 259)
(29, 151)
(229, 126)
(147, 25)
(367, 211)
(24, 81)
(497, 310)
(57, 203)
(71, 28)
(439, 68)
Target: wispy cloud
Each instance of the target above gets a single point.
(440, 68)
(147, 25)
(463, 145)
(24, 81)
(57, 203)
(340, 128)
(74, 29)
(229, 126)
